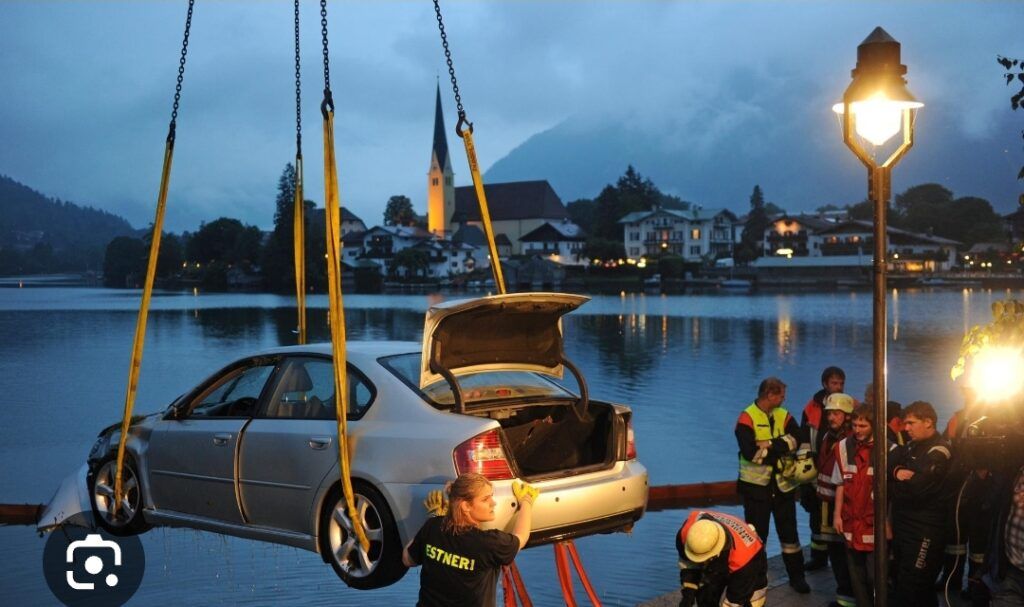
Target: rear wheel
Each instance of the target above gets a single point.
(379, 566)
(127, 520)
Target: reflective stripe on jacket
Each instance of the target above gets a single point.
(756, 472)
(745, 543)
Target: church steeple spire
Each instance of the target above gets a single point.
(440, 179)
(440, 149)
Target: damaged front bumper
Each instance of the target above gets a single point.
(70, 505)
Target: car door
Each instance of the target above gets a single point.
(192, 458)
(291, 445)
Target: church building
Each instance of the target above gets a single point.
(517, 208)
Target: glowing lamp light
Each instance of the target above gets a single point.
(997, 373)
(878, 97)
(878, 118)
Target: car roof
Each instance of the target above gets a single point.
(374, 349)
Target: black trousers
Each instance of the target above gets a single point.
(760, 505)
(741, 587)
(861, 566)
(918, 560)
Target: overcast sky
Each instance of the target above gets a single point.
(87, 86)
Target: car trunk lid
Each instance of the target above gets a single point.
(516, 331)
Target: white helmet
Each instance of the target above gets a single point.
(839, 402)
(704, 541)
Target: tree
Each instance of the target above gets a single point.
(924, 208)
(398, 212)
(1014, 71)
(415, 262)
(582, 213)
(125, 257)
(278, 256)
(753, 231)
(632, 192)
(226, 240)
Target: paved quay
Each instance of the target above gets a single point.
(822, 585)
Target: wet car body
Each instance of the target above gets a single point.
(252, 451)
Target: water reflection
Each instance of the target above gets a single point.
(686, 364)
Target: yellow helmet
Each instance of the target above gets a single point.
(799, 468)
(839, 402)
(704, 541)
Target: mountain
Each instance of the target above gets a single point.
(715, 157)
(41, 234)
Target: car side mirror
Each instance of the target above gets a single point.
(176, 411)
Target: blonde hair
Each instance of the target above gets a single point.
(463, 489)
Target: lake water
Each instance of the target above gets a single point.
(687, 365)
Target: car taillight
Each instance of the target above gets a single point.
(484, 455)
(630, 440)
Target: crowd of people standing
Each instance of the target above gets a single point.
(948, 513)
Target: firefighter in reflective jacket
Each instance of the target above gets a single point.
(765, 433)
(838, 408)
(854, 517)
(719, 552)
(814, 425)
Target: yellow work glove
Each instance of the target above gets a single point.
(524, 492)
(435, 503)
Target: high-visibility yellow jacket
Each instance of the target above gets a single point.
(755, 470)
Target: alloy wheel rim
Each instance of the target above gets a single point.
(346, 551)
(103, 493)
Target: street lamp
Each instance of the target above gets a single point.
(877, 106)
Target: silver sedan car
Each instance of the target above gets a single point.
(251, 451)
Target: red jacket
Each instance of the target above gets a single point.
(854, 471)
(745, 543)
(826, 464)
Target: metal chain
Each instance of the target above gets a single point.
(181, 73)
(448, 58)
(328, 102)
(298, 89)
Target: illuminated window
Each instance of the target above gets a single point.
(695, 234)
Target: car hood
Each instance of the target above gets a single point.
(517, 331)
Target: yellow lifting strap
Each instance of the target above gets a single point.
(147, 290)
(140, 323)
(299, 231)
(481, 196)
(337, 318)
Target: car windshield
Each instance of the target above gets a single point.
(476, 387)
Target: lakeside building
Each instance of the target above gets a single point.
(694, 234)
(850, 244)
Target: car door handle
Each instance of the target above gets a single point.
(221, 439)
(319, 442)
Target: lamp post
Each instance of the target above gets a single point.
(875, 107)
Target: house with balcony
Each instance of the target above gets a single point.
(791, 235)
(850, 244)
(559, 241)
(694, 234)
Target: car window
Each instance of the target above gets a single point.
(236, 394)
(305, 390)
(476, 387)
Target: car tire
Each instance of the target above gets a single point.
(382, 564)
(129, 519)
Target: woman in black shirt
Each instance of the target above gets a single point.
(461, 561)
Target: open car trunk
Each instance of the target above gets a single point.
(550, 440)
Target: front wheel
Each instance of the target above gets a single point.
(127, 520)
(377, 567)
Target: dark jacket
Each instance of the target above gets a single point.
(922, 503)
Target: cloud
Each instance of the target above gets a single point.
(88, 86)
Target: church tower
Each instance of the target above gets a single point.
(440, 179)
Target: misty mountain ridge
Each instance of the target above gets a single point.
(29, 218)
(715, 157)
